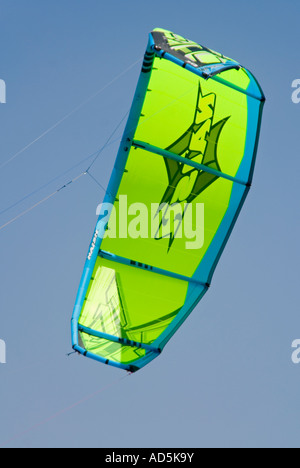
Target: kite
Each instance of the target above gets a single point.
(182, 173)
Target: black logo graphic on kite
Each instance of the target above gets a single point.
(199, 143)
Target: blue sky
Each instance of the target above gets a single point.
(226, 379)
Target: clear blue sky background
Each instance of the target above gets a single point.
(226, 378)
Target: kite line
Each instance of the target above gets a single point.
(59, 122)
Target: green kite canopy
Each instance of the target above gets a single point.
(190, 141)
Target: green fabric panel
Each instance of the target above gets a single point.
(190, 116)
(131, 303)
(196, 119)
(146, 181)
(110, 350)
(196, 53)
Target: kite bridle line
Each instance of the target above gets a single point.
(59, 122)
(86, 172)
